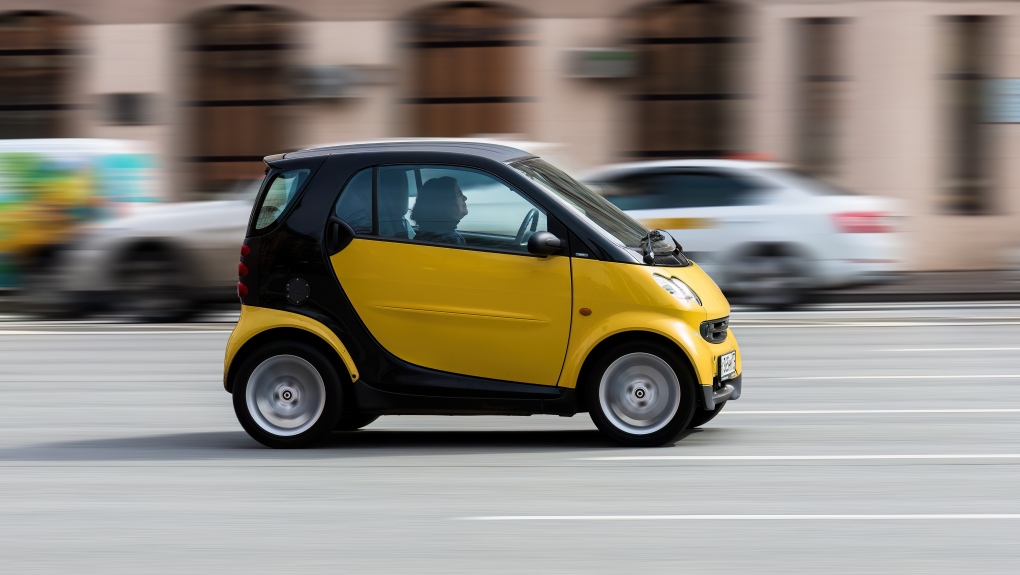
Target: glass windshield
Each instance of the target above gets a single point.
(618, 226)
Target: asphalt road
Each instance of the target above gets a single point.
(868, 440)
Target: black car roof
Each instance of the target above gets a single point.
(492, 151)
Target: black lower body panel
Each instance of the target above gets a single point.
(508, 399)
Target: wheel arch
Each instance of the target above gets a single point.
(177, 250)
(596, 353)
(281, 334)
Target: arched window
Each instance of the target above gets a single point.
(466, 67)
(38, 56)
(685, 94)
(240, 95)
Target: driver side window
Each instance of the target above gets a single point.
(455, 206)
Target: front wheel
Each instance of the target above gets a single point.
(287, 395)
(641, 395)
(703, 416)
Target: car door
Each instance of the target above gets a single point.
(460, 296)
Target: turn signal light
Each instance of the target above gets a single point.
(862, 222)
(242, 270)
(245, 250)
(242, 290)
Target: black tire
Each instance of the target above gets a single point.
(773, 278)
(152, 287)
(354, 422)
(703, 416)
(268, 424)
(625, 396)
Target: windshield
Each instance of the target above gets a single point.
(618, 226)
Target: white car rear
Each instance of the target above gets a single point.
(759, 229)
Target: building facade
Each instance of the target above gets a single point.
(906, 99)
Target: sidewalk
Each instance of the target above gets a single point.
(985, 285)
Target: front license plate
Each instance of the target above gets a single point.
(728, 366)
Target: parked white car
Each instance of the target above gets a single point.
(159, 264)
(763, 232)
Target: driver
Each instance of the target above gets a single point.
(440, 207)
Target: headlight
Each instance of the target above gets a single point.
(677, 289)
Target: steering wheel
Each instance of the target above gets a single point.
(532, 217)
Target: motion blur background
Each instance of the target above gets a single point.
(915, 101)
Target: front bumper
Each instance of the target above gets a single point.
(720, 392)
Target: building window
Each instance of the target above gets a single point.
(466, 67)
(242, 93)
(821, 85)
(686, 93)
(966, 69)
(38, 56)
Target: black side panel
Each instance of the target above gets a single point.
(378, 401)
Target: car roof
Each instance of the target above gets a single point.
(617, 170)
(499, 152)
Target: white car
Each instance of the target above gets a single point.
(159, 264)
(763, 232)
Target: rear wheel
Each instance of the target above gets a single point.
(771, 277)
(640, 394)
(152, 287)
(287, 395)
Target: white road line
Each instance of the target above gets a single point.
(828, 517)
(801, 457)
(866, 411)
(112, 332)
(914, 376)
(941, 349)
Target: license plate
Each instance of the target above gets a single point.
(727, 366)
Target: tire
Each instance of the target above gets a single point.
(703, 416)
(640, 394)
(152, 287)
(354, 422)
(287, 395)
(772, 277)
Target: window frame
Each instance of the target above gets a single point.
(553, 224)
(260, 199)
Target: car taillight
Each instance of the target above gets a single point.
(862, 222)
(242, 290)
(245, 250)
(242, 270)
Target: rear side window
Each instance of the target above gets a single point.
(355, 203)
(679, 190)
(279, 193)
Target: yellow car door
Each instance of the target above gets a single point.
(469, 300)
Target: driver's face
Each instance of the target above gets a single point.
(462, 209)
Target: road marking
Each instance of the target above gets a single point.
(800, 457)
(934, 376)
(112, 332)
(828, 517)
(866, 411)
(940, 349)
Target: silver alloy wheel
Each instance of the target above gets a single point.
(639, 393)
(285, 395)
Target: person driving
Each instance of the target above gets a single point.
(440, 207)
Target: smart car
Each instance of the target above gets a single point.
(465, 278)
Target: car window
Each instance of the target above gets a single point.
(455, 205)
(668, 190)
(355, 203)
(280, 191)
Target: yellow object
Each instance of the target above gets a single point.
(483, 314)
(625, 298)
(678, 223)
(255, 320)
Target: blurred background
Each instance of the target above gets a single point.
(110, 107)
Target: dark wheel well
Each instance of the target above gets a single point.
(626, 337)
(280, 334)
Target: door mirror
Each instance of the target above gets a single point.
(339, 235)
(544, 244)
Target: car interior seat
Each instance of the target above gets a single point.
(393, 204)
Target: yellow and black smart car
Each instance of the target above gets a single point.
(451, 277)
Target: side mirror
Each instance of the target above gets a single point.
(544, 244)
(339, 235)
